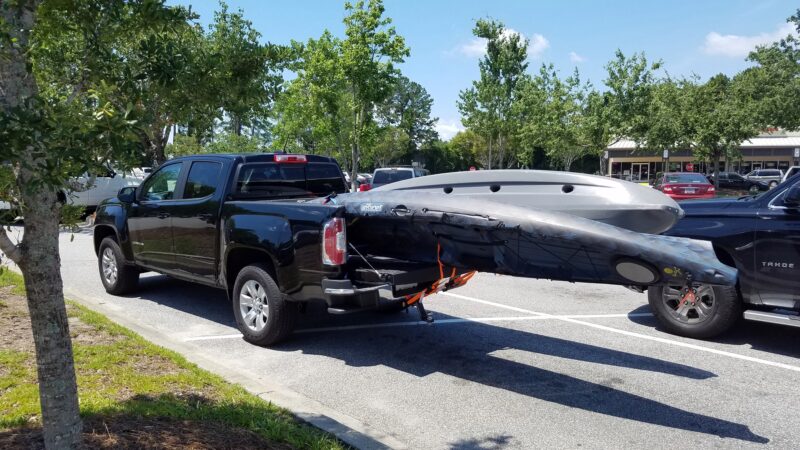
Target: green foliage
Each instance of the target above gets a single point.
(409, 109)
(774, 83)
(368, 56)
(553, 113)
(488, 106)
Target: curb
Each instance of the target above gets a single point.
(346, 428)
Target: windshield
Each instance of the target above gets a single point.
(686, 178)
(390, 176)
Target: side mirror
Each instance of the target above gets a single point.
(127, 194)
(792, 196)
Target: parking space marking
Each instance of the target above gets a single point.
(436, 322)
(630, 333)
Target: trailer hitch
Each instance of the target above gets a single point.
(424, 315)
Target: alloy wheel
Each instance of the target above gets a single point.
(253, 305)
(109, 264)
(690, 305)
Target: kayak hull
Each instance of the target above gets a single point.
(504, 239)
(615, 202)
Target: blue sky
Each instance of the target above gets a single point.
(701, 36)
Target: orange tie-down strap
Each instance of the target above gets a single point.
(442, 284)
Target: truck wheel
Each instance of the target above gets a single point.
(707, 312)
(264, 317)
(118, 277)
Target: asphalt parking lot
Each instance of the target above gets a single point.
(509, 363)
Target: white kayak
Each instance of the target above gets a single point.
(608, 200)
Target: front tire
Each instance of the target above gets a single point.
(262, 314)
(707, 312)
(118, 277)
(772, 184)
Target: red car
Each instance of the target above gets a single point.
(684, 185)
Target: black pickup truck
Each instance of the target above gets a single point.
(760, 236)
(243, 223)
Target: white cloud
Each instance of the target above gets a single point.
(576, 58)
(737, 46)
(448, 128)
(477, 46)
(537, 45)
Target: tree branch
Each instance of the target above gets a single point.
(9, 248)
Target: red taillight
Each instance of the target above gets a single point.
(364, 187)
(666, 189)
(334, 243)
(291, 159)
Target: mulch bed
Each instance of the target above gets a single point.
(151, 434)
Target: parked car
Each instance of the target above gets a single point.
(684, 185)
(243, 223)
(759, 236)
(93, 190)
(735, 182)
(770, 176)
(388, 175)
(790, 172)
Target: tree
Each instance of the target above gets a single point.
(487, 106)
(246, 74)
(369, 54)
(312, 113)
(470, 147)
(669, 116)
(553, 113)
(774, 83)
(52, 127)
(719, 120)
(391, 144)
(409, 109)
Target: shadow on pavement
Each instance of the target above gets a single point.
(464, 351)
(775, 339)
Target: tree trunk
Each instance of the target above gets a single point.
(41, 267)
(717, 155)
(38, 255)
(354, 167)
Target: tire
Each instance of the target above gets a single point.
(273, 318)
(772, 184)
(715, 311)
(753, 189)
(117, 276)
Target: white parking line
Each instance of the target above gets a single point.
(629, 333)
(437, 322)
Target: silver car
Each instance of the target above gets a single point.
(772, 177)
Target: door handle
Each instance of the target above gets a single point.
(163, 215)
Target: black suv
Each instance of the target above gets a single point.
(760, 236)
(734, 182)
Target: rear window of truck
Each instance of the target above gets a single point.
(391, 176)
(273, 179)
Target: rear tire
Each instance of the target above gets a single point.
(716, 309)
(117, 276)
(262, 313)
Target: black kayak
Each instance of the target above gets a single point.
(504, 239)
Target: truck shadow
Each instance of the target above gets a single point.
(775, 339)
(467, 352)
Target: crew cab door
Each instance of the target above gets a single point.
(149, 220)
(777, 251)
(195, 219)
